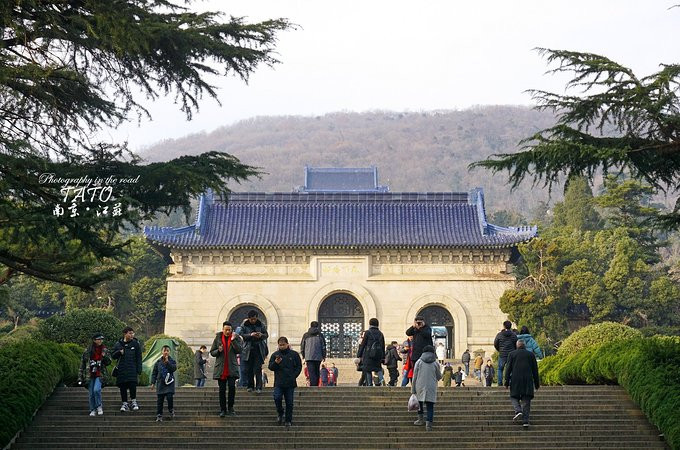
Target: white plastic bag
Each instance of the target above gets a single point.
(413, 404)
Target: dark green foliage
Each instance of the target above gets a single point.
(617, 122)
(662, 331)
(185, 360)
(69, 69)
(599, 333)
(30, 370)
(77, 326)
(28, 331)
(646, 367)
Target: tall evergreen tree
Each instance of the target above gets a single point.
(69, 68)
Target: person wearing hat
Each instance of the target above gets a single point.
(93, 372)
(421, 337)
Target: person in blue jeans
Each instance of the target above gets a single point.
(286, 365)
(93, 372)
(505, 342)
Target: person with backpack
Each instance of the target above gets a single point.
(163, 381)
(128, 352)
(530, 342)
(391, 361)
(504, 342)
(93, 372)
(459, 377)
(426, 374)
(465, 359)
(313, 351)
(372, 351)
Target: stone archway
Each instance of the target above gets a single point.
(458, 314)
(341, 318)
(269, 314)
(438, 316)
(240, 314)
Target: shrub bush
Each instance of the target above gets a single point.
(646, 367)
(185, 360)
(22, 333)
(598, 333)
(78, 325)
(30, 370)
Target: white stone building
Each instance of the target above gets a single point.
(340, 250)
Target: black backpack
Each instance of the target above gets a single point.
(374, 351)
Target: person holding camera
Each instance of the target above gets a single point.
(421, 334)
(128, 352)
(225, 348)
(286, 365)
(163, 381)
(93, 372)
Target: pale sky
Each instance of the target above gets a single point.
(411, 56)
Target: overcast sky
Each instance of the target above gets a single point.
(411, 56)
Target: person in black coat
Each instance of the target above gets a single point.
(254, 334)
(504, 342)
(422, 336)
(521, 376)
(372, 351)
(286, 365)
(391, 361)
(199, 366)
(128, 352)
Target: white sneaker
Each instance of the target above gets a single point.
(93, 413)
(100, 411)
(124, 407)
(135, 406)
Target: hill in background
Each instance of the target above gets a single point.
(424, 151)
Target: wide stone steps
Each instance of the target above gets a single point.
(346, 417)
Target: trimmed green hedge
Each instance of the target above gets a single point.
(185, 360)
(78, 325)
(598, 333)
(648, 368)
(30, 371)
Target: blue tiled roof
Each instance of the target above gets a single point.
(341, 179)
(342, 220)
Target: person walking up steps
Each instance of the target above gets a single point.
(426, 375)
(372, 351)
(313, 350)
(521, 376)
(505, 343)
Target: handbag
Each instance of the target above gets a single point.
(413, 403)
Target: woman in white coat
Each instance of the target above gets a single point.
(426, 375)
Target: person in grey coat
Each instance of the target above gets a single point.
(224, 349)
(521, 376)
(163, 380)
(313, 351)
(426, 375)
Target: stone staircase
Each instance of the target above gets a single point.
(347, 417)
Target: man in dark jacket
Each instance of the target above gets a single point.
(422, 336)
(372, 351)
(255, 335)
(128, 352)
(465, 359)
(286, 365)
(224, 349)
(391, 361)
(199, 366)
(521, 375)
(163, 381)
(313, 349)
(93, 372)
(505, 343)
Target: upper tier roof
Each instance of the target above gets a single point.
(341, 220)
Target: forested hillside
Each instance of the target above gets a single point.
(427, 151)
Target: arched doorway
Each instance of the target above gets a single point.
(241, 313)
(341, 318)
(437, 316)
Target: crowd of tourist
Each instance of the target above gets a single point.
(240, 353)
